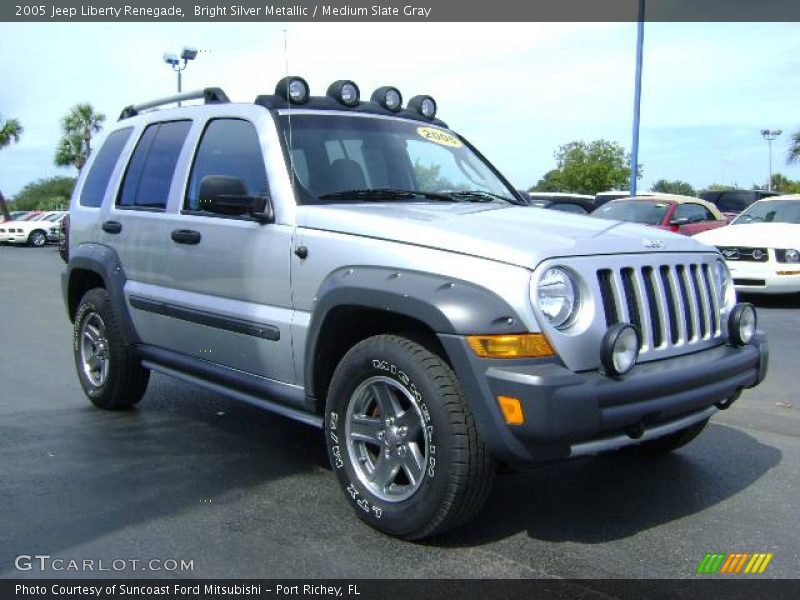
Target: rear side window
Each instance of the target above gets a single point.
(149, 175)
(735, 201)
(94, 188)
(228, 148)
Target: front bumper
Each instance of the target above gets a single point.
(763, 278)
(570, 414)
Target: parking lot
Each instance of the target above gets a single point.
(243, 493)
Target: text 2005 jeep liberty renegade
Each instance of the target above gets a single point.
(359, 267)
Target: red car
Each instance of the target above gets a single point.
(681, 214)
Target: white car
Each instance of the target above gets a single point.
(762, 246)
(32, 232)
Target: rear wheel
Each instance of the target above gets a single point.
(402, 441)
(109, 371)
(668, 443)
(37, 238)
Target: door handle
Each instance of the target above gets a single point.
(186, 236)
(112, 226)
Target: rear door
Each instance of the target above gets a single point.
(136, 222)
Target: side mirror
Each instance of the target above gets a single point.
(680, 221)
(224, 195)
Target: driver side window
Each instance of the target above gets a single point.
(229, 148)
(693, 212)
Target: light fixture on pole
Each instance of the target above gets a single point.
(770, 135)
(179, 63)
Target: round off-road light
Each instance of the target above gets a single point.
(424, 105)
(345, 92)
(742, 324)
(619, 349)
(388, 97)
(293, 89)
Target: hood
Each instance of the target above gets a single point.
(771, 235)
(516, 235)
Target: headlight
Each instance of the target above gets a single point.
(724, 281)
(789, 255)
(557, 296)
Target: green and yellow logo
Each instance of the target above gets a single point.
(731, 564)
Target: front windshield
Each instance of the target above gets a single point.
(635, 211)
(334, 154)
(770, 211)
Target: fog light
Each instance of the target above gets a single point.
(742, 324)
(424, 105)
(345, 92)
(388, 97)
(619, 349)
(293, 89)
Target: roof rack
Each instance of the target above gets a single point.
(211, 95)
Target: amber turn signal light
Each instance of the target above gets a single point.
(512, 410)
(523, 345)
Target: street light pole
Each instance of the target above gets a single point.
(770, 135)
(179, 63)
(637, 100)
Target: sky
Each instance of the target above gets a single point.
(517, 91)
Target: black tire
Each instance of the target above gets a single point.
(125, 380)
(457, 471)
(37, 238)
(668, 443)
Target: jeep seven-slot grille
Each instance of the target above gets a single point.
(671, 305)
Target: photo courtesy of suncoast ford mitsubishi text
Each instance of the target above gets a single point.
(358, 266)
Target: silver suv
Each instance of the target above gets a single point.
(358, 266)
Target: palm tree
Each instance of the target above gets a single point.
(76, 143)
(793, 155)
(10, 132)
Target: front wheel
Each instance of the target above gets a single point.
(37, 239)
(402, 441)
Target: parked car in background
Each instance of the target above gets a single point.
(16, 215)
(579, 204)
(56, 231)
(602, 197)
(732, 202)
(762, 246)
(32, 232)
(680, 214)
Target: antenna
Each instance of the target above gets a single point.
(289, 112)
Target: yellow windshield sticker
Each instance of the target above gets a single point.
(439, 136)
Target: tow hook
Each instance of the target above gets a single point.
(726, 403)
(635, 431)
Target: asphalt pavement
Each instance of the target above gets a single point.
(189, 475)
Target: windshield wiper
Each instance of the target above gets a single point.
(480, 196)
(382, 194)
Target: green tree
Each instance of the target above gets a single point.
(429, 178)
(45, 194)
(10, 132)
(551, 182)
(720, 187)
(673, 187)
(793, 156)
(77, 128)
(781, 183)
(591, 167)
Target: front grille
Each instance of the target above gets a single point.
(744, 254)
(672, 305)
